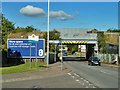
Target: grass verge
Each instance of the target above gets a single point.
(22, 68)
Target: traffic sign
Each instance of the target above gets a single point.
(33, 38)
(55, 41)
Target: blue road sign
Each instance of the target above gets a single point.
(20, 48)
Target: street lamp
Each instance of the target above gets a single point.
(48, 38)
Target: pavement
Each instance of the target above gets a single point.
(51, 71)
(111, 65)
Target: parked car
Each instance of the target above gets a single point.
(65, 54)
(94, 61)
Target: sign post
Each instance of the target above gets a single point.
(56, 42)
(119, 51)
(55, 53)
(33, 39)
(61, 57)
(36, 55)
(30, 55)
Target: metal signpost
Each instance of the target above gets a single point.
(56, 42)
(61, 57)
(30, 55)
(36, 55)
(55, 54)
(119, 51)
(33, 39)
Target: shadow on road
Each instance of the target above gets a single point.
(79, 59)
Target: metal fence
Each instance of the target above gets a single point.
(108, 58)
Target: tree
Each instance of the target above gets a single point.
(53, 35)
(7, 27)
(115, 30)
(101, 44)
(72, 48)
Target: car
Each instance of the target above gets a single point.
(94, 61)
(64, 54)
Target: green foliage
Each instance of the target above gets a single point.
(93, 31)
(6, 27)
(22, 68)
(24, 30)
(115, 30)
(75, 48)
(53, 35)
(72, 48)
(112, 56)
(101, 44)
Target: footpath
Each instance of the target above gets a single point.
(110, 65)
(51, 71)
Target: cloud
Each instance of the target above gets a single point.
(33, 11)
(61, 15)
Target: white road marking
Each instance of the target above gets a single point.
(87, 81)
(69, 73)
(90, 84)
(77, 80)
(81, 78)
(94, 87)
(76, 75)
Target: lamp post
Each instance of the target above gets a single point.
(48, 38)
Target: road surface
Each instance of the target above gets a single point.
(100, 76)
(82, 76)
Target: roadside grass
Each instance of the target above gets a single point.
(22, 68)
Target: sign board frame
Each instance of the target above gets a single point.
(28, 42)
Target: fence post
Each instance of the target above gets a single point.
(109, 58)
(105, 58)
(117, 58)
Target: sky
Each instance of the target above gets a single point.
(99, 15)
